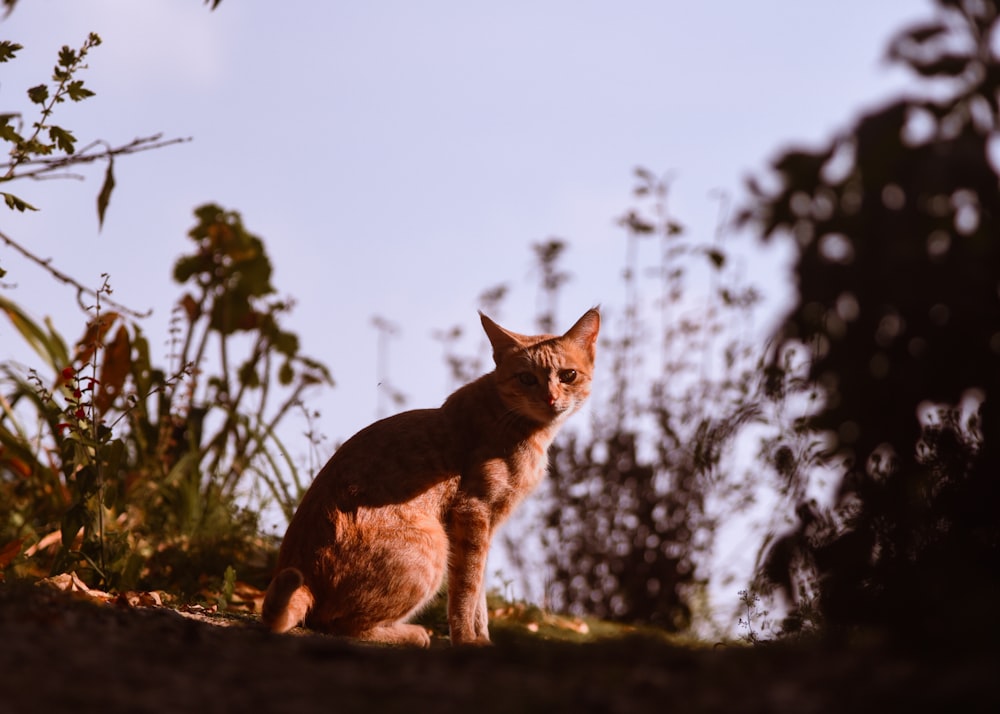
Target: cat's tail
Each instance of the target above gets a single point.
(287, 601)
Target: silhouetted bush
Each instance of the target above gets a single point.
(898, 225)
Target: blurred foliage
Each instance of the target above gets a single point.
(626, 516)
(111, 465)
(897, 222)
(129, 472)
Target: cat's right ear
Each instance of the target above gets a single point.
(502, 340)
(584, 332)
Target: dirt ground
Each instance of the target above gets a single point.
(61, 654)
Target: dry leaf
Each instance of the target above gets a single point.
(10, 551)
(139, 599)
(71, 583)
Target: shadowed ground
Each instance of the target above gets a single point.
(61, 654)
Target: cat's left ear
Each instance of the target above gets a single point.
(503, 341)
(584, 332)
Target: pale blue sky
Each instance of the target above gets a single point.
(399, 158)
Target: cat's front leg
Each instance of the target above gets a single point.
(482, 614)
(469, 535)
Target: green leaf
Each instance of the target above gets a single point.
(8, 49)
(39, 94)
(46, 343)
(16, 203)
(73, 520)
(111, 458)
(34, 146)
(228, 585)
(287, 343)
(188, 266)
(62, 139)
(77, 92)
(248, 374)
(105, 195)
(7, 132)
(56, 353)
(141, 367)
(322, 372)
(67, 56)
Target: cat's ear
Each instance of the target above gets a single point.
(503, 341)
(584, 332)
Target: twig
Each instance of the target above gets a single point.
(81, 289)
(43, 166)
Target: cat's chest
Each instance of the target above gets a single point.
(505, 480)
(530, 469)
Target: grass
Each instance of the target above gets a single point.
(518, 622)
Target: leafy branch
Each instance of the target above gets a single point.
(34, 157)
(65, 86)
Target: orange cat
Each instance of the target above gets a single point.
(421, 493)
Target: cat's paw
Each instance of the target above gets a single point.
(398, 634)
(419, 637)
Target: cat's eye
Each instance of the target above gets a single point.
(567, 376)
(527, 379)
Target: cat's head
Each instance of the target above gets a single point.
(544, 378)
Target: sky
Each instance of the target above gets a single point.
(400, 158)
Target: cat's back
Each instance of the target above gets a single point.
(393, 460)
